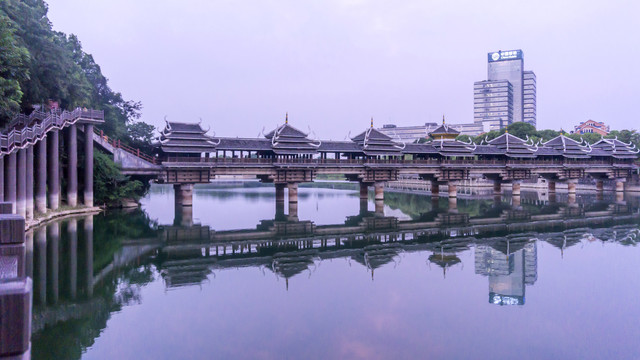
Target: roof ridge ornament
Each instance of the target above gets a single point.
(372, 122)
(286, 117)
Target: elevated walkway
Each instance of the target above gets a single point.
(131, 161)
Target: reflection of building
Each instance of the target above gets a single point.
(592, 127)
(508, 273)
(509, 93)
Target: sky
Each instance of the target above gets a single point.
(333, 64)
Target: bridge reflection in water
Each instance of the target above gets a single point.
(76, 277)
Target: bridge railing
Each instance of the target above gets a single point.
(24, 130)
(404, 162)
(117, 144)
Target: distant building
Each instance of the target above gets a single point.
(592, 127)
(409, 134)
(496, 104)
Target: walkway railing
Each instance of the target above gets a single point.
(417, 162)
(27, 130)
(117, 144)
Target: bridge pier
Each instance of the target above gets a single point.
(497, 187)
(379, 207)
(516, 201)
(293, 211)
(620, 184)
(72, 231)
(599, 186)
(552, 187)
(183, 216)
(515, 188)
(53, 173)
(293, 192)
(10, 180)
(435, 188)
(364, 191)
(29, 183)
(72, 168)
(571, 186)
(280, 192)
(453, 190)
(21, 185)
(379, 191)
(41, 176)
(88, 165)
(183, 194)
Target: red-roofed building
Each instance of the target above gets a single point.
(591, 126)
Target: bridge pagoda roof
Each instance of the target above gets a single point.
(444, 132)
(287, 140)
(513, 146)
(425, 148)
(615, 148)
(185, 138)
(568, 147)
(451, 148)
(373, 143)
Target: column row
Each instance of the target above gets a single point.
(30, 178)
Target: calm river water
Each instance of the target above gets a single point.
(336, 278)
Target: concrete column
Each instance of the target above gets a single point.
(497, 187)
(364, 206)
(620, 185)
(515, 201)
(183, 216)
(72, 168)
(280, 193)
(293, 211)
(552, 186)
(599, 185)
(571, 185)
(515, 188)
(29, 183)
(293, 192)
(435, 188)
(453, 205)
(379, 207)
(88, 165)
(21, 184)
(41, 176)
(53, 165)
(453, 190)
(364, 190)
(379, 191)
(10, 180)
(183, 194)
(53, 250)
(1, 178)
(88, 238)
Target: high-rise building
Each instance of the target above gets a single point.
(529, 98)
(492, 104)
(505, 66)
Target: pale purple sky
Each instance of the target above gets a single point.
(240, 65)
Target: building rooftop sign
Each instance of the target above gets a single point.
(505, 55)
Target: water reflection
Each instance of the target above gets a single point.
(88, 269)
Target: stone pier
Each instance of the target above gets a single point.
(280, 193)
(620, 185)
(453, 190)
(21, 184)
(10, 180)
(364, 190)
(293, 192)
(515, 188)
(497, 187)
(379, 191)
(88, 165)
(72, 168)
(53, 165)
(571, 186)
(29, 180)
(599, 185)
(41, 176)
(435, 188)
(552, 187)
(183, 194)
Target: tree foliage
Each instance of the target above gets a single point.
(38, 64)
(109, 185)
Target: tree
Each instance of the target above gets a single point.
(13, 70)
(522, 130)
